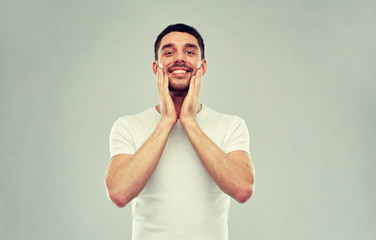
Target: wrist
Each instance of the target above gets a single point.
(167, 123)
(188, 122)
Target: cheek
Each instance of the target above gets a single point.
(164, 64)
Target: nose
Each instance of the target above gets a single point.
(179, 57)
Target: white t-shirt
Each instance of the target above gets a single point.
(180, 200)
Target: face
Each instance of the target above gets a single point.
(179, 56)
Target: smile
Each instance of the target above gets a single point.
(179, 71)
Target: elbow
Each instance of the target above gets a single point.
(118, 199)
(242, 195)
(119, 202)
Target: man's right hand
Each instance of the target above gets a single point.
(166, 105)
(128, 174)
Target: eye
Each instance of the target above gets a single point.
(190, 52)
(168, 53)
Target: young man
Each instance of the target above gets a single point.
(179, 161)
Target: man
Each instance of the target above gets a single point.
(179, 161)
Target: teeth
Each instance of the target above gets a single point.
(179, 71)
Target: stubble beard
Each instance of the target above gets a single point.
(179, 86)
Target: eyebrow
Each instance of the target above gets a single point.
(167, 46)
(186, 45)
(191, 45)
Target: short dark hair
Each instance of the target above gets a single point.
(179, 27)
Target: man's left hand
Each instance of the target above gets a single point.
(191, 105)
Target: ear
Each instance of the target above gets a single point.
(155, 67)
(204, 66)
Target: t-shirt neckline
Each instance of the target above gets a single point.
(203, 109)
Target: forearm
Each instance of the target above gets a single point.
(233, 176)
(127, 177)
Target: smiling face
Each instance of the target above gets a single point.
(179, 55)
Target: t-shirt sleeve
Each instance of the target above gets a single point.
(237, 136)
(121, 139)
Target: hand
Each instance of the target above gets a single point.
(191, 104)
(166, 105)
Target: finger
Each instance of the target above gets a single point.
(160, 87)
(198, 86)
(200, 79)
(199, 73)
(191, 89)
(159, 82)
(165, 84)
(197, 89)
(158, 79)
(198, 76)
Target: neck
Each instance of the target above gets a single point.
(178, 102)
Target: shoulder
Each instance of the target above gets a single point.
(148, 115)
(228, 131)
(215, 116)
(139, 124)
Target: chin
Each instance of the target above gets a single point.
(179, 90)
(178, 93)
(179, 83)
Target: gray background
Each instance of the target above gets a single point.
(301, 73)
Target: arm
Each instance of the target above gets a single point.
(128, 174)
(233, 172)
